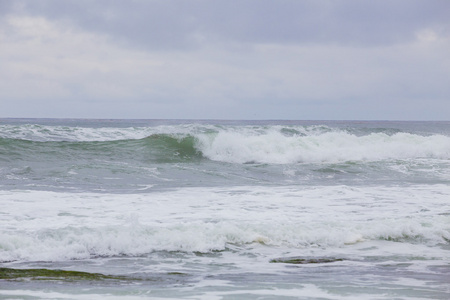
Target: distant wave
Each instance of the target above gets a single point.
(239, 144)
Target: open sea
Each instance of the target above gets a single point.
(177, 209)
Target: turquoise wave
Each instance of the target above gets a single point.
(156, 148)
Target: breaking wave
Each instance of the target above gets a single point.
(84, 242)
(86, 225)
(239, 144)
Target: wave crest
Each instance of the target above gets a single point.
(274, 147)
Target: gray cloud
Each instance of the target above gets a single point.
(316, 59)
(171, 24)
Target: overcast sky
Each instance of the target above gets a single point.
(258, 59)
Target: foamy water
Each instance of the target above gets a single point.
(81, 226)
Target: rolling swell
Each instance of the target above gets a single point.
(158, 148)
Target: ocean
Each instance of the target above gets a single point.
(198, 209)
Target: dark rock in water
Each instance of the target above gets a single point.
(10, 274)
(46, 274)
(305, 260)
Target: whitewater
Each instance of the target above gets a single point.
(196, 209)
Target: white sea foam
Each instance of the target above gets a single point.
(274, 147)
(80, 295)
(44, 133)
(79, 226)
